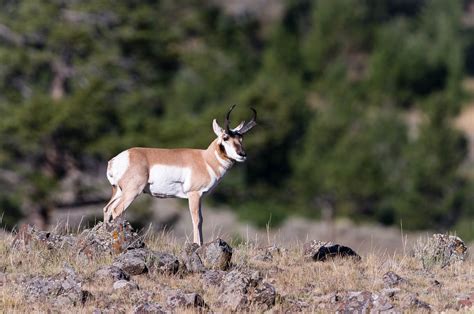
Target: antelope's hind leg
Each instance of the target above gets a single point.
(131, 187)
(116, 194)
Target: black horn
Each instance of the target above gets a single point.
(250, 124)
(227, 121)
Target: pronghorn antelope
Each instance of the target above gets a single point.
(184, 173)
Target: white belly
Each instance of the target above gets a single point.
(168, 181)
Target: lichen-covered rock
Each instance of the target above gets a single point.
(266, 254)
(179, 298)
(149, 308)
(465, 301)
(62, 289)
(361, 302)
(139, 261)
(295, 305)
(411, 301)
(215, 255)
(191, 259)
(440, 250)
(3, 278)
(125, 285)
(162, 263)
(212, 278)
(321, 251)
(390, 279)
(28, 235)
(242, 289)
(111, 272)
(110, 238)
(133, 262)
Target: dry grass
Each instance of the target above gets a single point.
(293, 278)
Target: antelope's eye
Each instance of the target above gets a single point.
(225, 137)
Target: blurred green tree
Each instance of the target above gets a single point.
(334, 84)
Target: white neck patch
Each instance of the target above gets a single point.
(224, 163)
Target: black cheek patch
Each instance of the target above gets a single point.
(222, 149)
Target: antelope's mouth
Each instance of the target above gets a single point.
(240, 159)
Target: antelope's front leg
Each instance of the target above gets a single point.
(195, 208)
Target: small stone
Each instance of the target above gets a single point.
(440, 250)
(296, 306)
(28, 235)
(215, 255)
(321, 251)
(149, 308)
(390, 292)
(360, 302)
(132, 262)
(264, 295)
(163, 263)
(465, 300)
(124, 284)
(111, 272)
(178, 298)
(266, 254)
(242, 289)
(191, 259)
(63, 289)
(212, 278)
(391, 279)
(113, 238)
(3, 278)
(412, 301)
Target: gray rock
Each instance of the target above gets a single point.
(178, 298)
(390, 279)
(149, 308)
(412, 301)
(390, 292)
(133, 261)
(62, 289)
(163, 263)
(212, 278)
(3, 279)
(215, 255)
(112, 238)
(440, 250)
(125, 285)
(111, 272)
(465, 300)
(139, 261)
(296, 305)
(321, 251)
(361, 302)
(242, 289)
(28, 235)
(191, 259)
(266, 254)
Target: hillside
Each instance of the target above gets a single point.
(116, 270)
(356, 108)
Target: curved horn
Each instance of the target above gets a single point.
(250, 124)
(226, 123)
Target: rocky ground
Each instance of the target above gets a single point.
(113, 269)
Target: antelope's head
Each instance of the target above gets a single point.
(230, 140)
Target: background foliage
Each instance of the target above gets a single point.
(334, 83)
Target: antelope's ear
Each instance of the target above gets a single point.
(237, 128)
(217, 129)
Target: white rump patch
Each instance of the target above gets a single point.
(119, 165)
